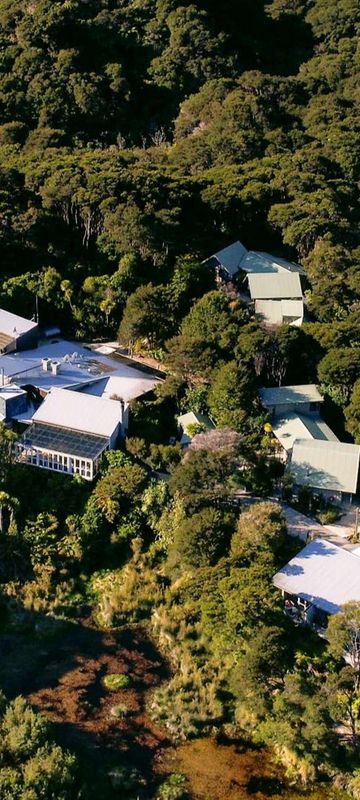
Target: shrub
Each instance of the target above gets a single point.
(173, 788)
(119, 711)
(328, 516)
(114, 682)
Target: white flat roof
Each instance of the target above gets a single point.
(289, 427)
(274, 286)
(11, 390)
(283, 395)
(13, 325)
(323, 574)
(333, 466)
(127, 386)
(78, 366)
(67, 409)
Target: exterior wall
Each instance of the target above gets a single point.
(59, 462)
(330, 494)
(28, 340)
(125, 419)
(13, 405)
(115, 436)
(299, 408)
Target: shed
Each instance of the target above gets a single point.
(185, 423)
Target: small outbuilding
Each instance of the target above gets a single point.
(190, 424)
(302, 398)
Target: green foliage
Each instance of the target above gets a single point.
(116, 682)
(261, 531)
(232, 396)
(32, 766)
(338, 371)
(352, 413)
(201, 539)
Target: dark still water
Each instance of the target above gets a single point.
(226, 772)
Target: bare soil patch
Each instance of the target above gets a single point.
(62, 676)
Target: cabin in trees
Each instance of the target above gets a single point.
(235, 257)
(277, 298)
(318, 581)
(16, 333)
(314, 455)
(190, 424)
(301, 398)
(273, 283)
(331, 468)
(295, 414)
(70, 433)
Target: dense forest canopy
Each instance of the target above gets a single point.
(147, 131)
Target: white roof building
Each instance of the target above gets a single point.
(76, 367)
(68, 409)
(13, 325)
(16, 331)
(322, 574)
(329, 466)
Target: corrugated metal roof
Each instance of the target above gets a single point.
(79, 412)
(192, 418)
(13, 325)
(231, 256)
(281, 395)
(274, 286)
(257, 261)
(323, 574)
(333, 466)
(289, 427)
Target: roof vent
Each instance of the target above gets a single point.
(55, 367)
(46, 364)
